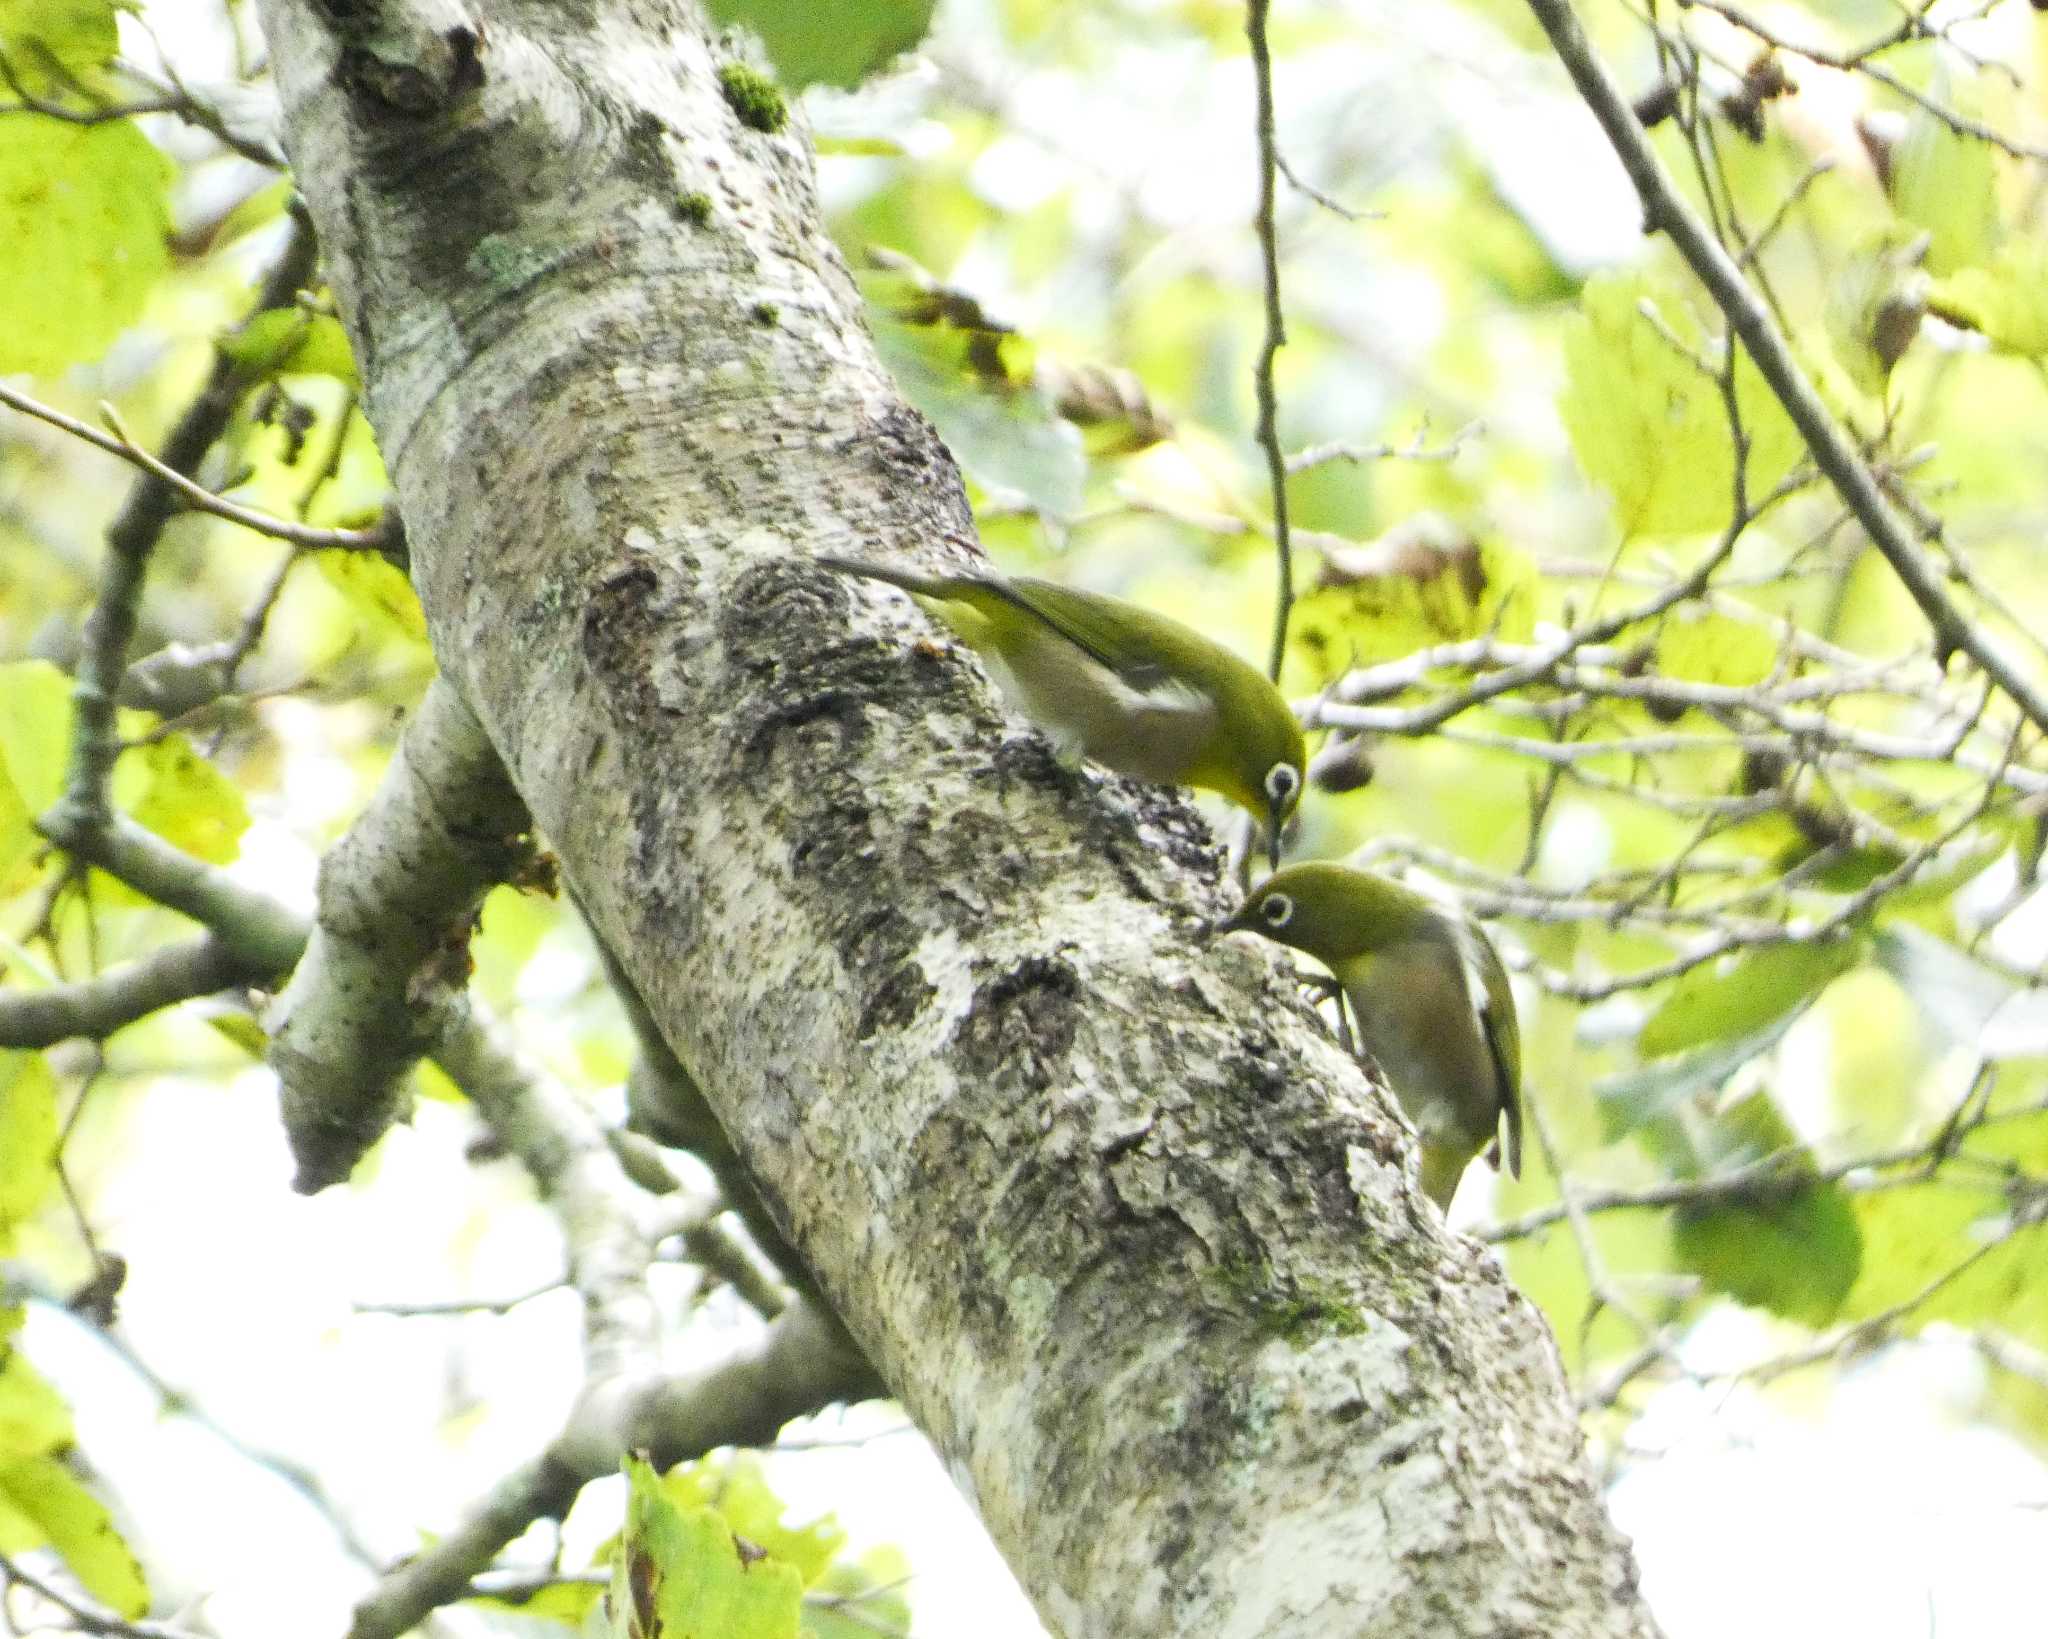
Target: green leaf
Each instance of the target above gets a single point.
(289, 341)
(1947, 184)
(33, 1421)
(738, 1488)
(1646, 1097)
(83, 220)
(184, 799)
(1648, 425)
(28, 1138)
(35, 729)
(1740, 996)
(1416, 587)
(2006, 302)
(42, 1502)
(77, 34)
(1797, 1256)
(1706, 647)
(681, 1574)
(815, 43)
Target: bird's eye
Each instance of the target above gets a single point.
(1277, 911)
(1283, 780)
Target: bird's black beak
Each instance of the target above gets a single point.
(1221, 925)
(1275, 823)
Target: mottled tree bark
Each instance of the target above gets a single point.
(1130, 1238)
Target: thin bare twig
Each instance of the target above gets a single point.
(87, 1618)
(203, 499)
(1276, 329)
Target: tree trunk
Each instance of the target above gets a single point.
(1130, 1238)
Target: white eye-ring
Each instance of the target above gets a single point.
(1283, 780)
(1277, 910)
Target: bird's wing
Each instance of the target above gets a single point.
(1093, 625)
(1493, 1004)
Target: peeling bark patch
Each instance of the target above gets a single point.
(905, 448)
(839, 708)
(879, 937)
(899, 999)
(1258, 1070)
(618, 624)
(765, 622)
(1024, 1016)
(840, 835)
(1028, 758)
(465, 50)
(772, 611)
(644, 156)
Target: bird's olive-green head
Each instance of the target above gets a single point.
(1332, 912)
(1256, 755)
(1430, 998)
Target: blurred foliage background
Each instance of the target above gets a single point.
(1589, 639)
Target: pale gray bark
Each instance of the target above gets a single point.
(1133, 1242)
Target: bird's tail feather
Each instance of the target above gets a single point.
(909, 580)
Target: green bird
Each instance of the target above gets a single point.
(1138, 692)
(1431, 998)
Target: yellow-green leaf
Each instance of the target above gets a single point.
(42, 1502)
(259, 210)
(83, 219)
(1704, 647)
(738, 1488)
(378, 592)
(2006, 302)
(17, 835)
(184, 799)
(240, 1028)
(34, 1421)
(681, 1574)
(35, 729)
(866, 1597)
(76, 34)
(1649, 425)
(289, 341)
(1718, 1002)
(28, 1137)
(1410, 590)
(829, 45)
(1947, 184)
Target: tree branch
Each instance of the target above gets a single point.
(262, 931)
(390, 948)
(99, 1006)
(1090, 1196)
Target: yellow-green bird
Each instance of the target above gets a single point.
(1430, 996)
(1136, 691)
